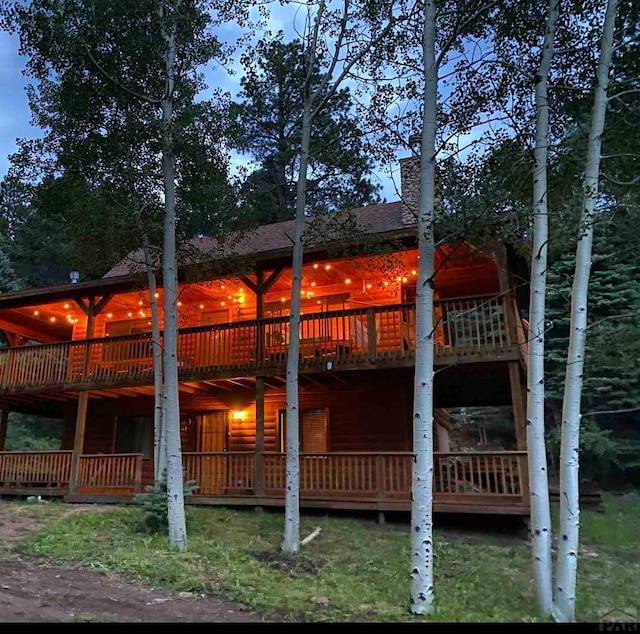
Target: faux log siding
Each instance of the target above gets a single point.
(372, 414)
(373, 419)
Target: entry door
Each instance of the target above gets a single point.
(212, 437)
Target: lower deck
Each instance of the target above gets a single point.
(464, 482)
(356, 439)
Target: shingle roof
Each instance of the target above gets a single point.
(371, 220)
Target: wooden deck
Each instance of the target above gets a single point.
(467, 330)
(468, 482)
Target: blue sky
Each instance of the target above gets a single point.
(15, 115)
(14, 110)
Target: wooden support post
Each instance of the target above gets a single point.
(372, 334)
(519, 404)
(91, 309)
(506, 290)
(259, 315)
(4, 422)
(258, 478)
(443, 427)
(78, 442)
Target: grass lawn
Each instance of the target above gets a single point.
(355, 570)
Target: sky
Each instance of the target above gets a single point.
(15, 116)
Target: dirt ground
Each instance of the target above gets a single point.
(34, 592)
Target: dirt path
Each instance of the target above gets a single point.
(32, 591)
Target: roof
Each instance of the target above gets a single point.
(385, 219)
(266, 241)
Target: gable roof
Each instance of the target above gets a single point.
(277, 238)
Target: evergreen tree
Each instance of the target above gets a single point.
(269, 119)
(612, 374)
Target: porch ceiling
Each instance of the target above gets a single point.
(363, 281)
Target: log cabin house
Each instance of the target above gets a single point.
(82, 352)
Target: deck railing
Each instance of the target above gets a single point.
(109, 474)
(35, 469)
(348, 338)
(364, 475)
(466, 477)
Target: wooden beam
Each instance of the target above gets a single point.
(519, 404)
(4, 423)
(258, 479)
(198, 387)
(246, 387)
(84, 307)
(337, 378)
(271, 280)
(309, 378)
(183, 387)
(27, 332)
(99, 306)
(253, 287)
(78, 441)
(222, 387)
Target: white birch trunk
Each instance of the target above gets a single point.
(171, 403)
(567, 562)
(159, 448)
(538, 474)
(421, 585)
(291, 542)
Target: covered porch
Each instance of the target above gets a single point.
(355, 442)
(464, 482)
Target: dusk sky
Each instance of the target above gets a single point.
(15, 116)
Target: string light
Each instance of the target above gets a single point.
(404, 280)
(327, 267)
(179, 303)
(36, 312)
(66, 306)
(156, 295)
(414, 272)
(347, 281)
(385, 283)
(283, 299)
(140, 303)
(130, 314)
(315, 266)
(52, 320)
(201, 306)
(313, 283)
(368, 286)
(241, 299)
(109, 315)
(222, 303)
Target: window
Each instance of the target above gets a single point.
(123, 350)
(313, 430)
(127, 327)
(134, 435)
(308, 305)
(215, 317)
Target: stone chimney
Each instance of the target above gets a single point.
(410, 183)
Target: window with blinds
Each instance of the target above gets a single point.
(313, 430)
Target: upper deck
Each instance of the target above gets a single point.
(357, 313)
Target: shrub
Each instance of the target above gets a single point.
(153, 503)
